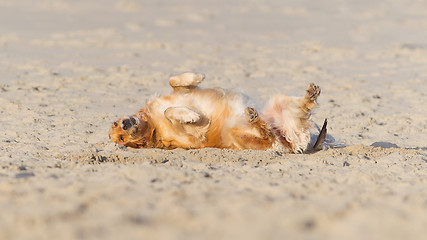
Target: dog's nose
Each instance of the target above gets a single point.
(126, 124)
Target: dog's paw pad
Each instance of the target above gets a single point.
(252, 115)
(313, 91)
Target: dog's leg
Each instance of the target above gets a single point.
(244, 138)
(189, 125)
(251, 115)
(186, 81)
(289, 118)
(253, 118)
(309, 100)
(255, 135)
(182, 115)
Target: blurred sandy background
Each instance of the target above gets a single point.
(68, 69)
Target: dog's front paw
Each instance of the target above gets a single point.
(252, 115)
(190, 117)
(313, 91)
(186, 79)
(182, 114)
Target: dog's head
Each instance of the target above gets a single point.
(132, 131)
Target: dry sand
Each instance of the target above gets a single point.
(70, 68)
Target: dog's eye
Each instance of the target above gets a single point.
(115, 124)
(122, 139)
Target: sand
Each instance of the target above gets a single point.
(70, 68)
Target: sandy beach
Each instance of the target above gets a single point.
(68, 69)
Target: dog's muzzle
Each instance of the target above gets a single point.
(128, 123)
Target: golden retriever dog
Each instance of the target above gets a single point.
(191, 117)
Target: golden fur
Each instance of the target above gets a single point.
(191, 117)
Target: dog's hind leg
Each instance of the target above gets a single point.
(309, 100)
(186, 81)
(256, 135)
(253, 118)
(241, 138)
(289, 118)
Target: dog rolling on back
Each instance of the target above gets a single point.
(191, 117)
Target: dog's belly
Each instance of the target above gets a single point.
(222, 110)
